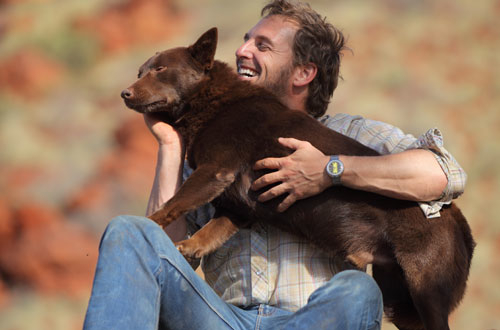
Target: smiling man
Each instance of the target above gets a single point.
(266, 56)
(263, 278)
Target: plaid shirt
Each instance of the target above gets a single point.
(263, 265)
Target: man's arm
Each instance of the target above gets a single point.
(411, 175)
(168, 175)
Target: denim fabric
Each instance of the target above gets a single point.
(143, 282)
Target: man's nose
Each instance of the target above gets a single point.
(244, 50)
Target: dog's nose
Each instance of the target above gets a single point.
(126, 94)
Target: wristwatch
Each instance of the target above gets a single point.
(334, 169)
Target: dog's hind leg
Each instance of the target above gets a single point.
(434, 315)
(430, 284)
(208, 239)
(206, 183)
(398, 304)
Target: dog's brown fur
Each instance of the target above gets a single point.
(420, 264)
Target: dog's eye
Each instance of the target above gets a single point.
(159, 68)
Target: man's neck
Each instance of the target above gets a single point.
(295, 99)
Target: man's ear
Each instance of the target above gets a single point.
(304, 74)
(203, 50)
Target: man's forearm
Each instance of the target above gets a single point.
(411, 175)
(168, 179)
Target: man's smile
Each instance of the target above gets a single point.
(246, 72)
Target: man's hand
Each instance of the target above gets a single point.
(164, 133)
(302, 173)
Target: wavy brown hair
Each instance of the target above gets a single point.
(316, 41)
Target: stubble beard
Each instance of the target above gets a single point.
(278, 85)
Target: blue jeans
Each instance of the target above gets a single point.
(143, 282)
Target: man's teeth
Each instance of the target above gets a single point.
(247, 72)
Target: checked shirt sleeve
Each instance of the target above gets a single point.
(387, 139)
(432, 140)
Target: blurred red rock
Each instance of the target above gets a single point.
(7, 226)
(49, 254)
(92, 196)
(129, 168)
(4, 294)
(135, 157)
(22, 176)
(17, 23)
(29, 73)
(132, 23)
(35, 215)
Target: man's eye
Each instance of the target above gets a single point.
(159, 68)
(262, 47)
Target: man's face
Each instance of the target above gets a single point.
(265, 58)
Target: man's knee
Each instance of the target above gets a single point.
(128, 222)
(125, 226)
(126, 230)
(352, 286)
(350, 300)
(360, 285)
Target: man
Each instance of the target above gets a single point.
(264, 278)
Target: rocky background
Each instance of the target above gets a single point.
(72, 156)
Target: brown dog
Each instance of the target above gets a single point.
(420, 264)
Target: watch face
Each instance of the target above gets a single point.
(335, 167)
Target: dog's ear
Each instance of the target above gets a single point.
(203, 50)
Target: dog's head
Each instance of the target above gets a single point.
(167, 79)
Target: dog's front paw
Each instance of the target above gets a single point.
(157, 217)
(161, 217)
(191, 249)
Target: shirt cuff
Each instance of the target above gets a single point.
(432, 140)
